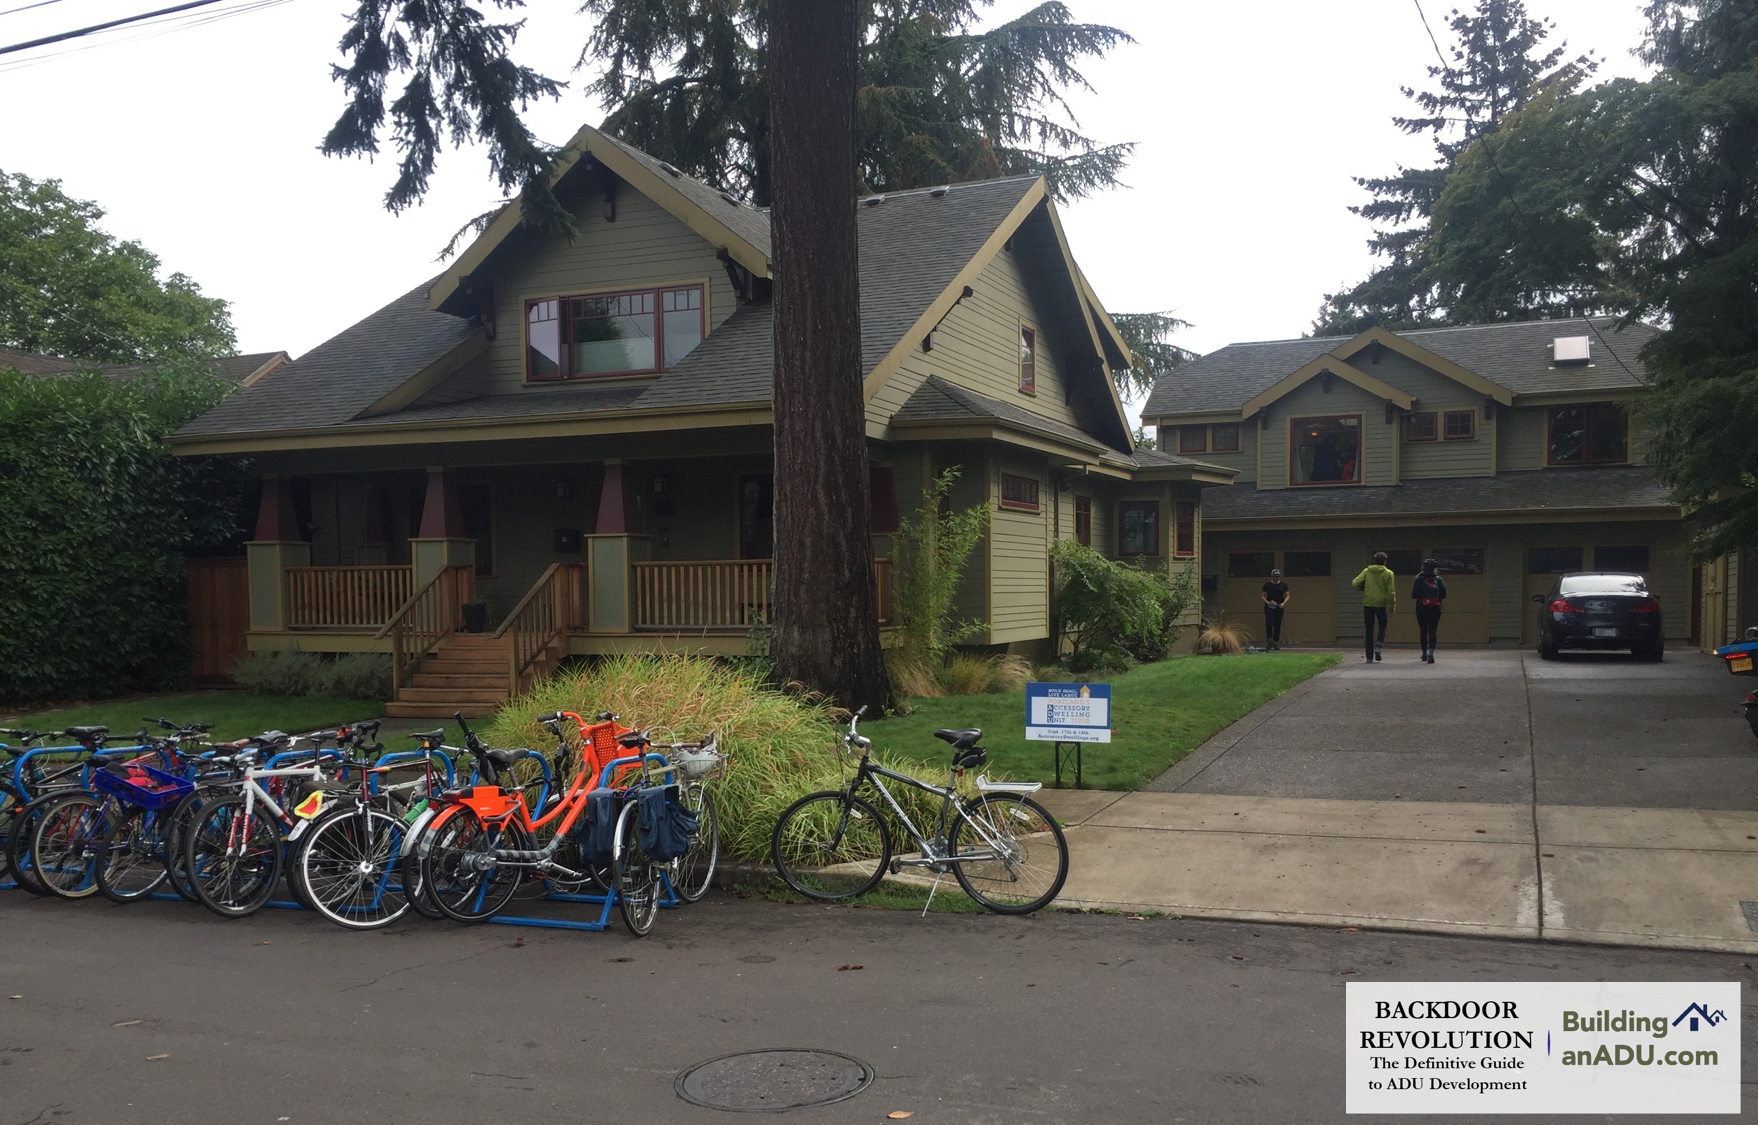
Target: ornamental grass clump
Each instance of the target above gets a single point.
(781, 746)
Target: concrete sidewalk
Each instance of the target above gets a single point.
(1673, 878)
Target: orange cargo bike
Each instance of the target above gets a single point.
(612, 837)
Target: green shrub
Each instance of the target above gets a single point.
(781, 746)
(96, 517)
(1104, 607)
(1176, 595)
(933, 548)
(354, 675)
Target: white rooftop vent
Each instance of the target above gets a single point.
(1572, 351)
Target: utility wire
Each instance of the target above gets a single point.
(75, 34)
(28, 7)
(167, 25)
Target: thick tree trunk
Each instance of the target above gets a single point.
(826, 632)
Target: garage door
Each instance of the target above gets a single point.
(1312, 596)
(1465, 618)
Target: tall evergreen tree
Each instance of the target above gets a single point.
(937, 101)
(1498, 65)
(1641, 197)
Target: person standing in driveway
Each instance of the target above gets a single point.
(1428, 592)
(1379, 599)
(1275, 604)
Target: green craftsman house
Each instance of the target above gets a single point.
(1505, 451)
(572, 438)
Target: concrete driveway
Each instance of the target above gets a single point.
(1494, 726)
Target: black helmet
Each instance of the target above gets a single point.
(1428, 565)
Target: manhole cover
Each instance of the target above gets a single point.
(774, 1081)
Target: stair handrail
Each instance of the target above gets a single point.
(540, 620)
(423, 622)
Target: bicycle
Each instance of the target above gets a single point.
(1004, 849)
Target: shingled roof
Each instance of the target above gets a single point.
(1555, 491)
(913, 244)
(1516, 356)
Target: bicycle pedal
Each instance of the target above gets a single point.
(896, 866)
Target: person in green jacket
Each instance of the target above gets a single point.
(1379, 599)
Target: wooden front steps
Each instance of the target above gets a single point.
(468, 674)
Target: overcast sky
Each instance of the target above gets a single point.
(199, 138)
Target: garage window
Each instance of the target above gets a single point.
(1621, 560)
(1458, 560)
(1306, 564)
(1250, 564)
(1553, 560)
(1402, 560)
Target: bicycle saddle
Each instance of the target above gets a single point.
(508, 757)
(87, 734)
(437, 735)
(268, 738)
(960, 739)
(101, 761)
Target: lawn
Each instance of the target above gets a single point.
(1160, 713)
(235, 714)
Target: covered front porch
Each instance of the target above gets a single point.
(506, 570)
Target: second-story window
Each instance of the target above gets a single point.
(1225, 438)
(627, 333)
(1596, 433)
(1460, 425)
(1028, 360)
(1325, 450)
(1193, 439)
(1083, 520)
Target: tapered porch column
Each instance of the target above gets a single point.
(276, 545)
(617, 542)
(442, 541)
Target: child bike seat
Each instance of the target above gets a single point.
(960, 739)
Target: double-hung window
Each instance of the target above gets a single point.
(632, 332)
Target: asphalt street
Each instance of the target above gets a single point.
(160, 1012)
(1495, 726)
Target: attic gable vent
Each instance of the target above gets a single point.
(730, 198)
(1572, 351)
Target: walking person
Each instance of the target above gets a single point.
(1379, 599)
(1275, 595)
(1428, 592)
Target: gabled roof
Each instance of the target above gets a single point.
(1514, 358)
(740, 230)
(1326, 364)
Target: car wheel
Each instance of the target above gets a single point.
(1652, 653)
(1546, 650)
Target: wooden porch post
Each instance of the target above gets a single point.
(616, 543)
(276, 546)
(442, 541)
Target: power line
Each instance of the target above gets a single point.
(47, 39)
(168, 24)
(28, 7)
(1437, 43)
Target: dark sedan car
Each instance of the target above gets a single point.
(1600, 611)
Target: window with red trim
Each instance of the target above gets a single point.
(626, 333)
(1224, 438)
(1459, 425)
(1193, 439)
(1186, 529)
(1138, 527)
(1019, 493)
(1028, 360)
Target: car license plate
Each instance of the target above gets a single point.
(1740, 664)
(1605, 632)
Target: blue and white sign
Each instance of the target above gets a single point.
(1068, 712)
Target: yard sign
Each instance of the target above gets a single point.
(1068, 712)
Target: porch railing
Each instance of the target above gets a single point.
(720, 594)
(431, 614)
(539, 625)
(345, 597)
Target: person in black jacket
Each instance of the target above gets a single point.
(1428, 592)
(1275, 605)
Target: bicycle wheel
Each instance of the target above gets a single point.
(1019, 856)
(633, 875)
(692, 872)
(234, 857)
(9, 804)
(131, 862)
(24, 830)
(830, 846)
(348, 865)
(183, 814)
(454, 874)
(65, 846)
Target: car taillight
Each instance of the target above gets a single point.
(1752, 697)
(1647, 605)
(1562, 606)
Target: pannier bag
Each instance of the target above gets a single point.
(596, 831)
(667, 827)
